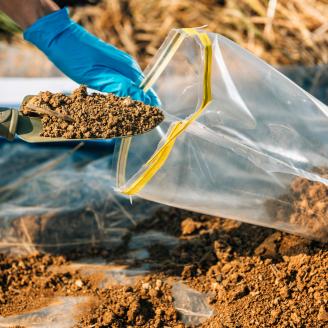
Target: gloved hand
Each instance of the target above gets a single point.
(87, 59)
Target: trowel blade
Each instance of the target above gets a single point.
(29, 129)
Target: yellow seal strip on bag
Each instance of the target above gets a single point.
(168, 49)
(161, 155)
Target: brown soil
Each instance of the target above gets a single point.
(83, 116)
(256, 277)
(147, 304)
(305, 205)
(27, 283)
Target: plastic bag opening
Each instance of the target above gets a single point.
(238, 135)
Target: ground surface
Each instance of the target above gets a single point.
(252, 276)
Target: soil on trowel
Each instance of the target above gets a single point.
(253, 277)
(84, 116)
(305, 206)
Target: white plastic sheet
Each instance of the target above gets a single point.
(192, 305)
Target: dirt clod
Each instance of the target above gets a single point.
(305, 205)
(256, 277)
(84, 116)
(323, 314)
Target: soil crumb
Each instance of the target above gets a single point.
(305, 205)
(84, 116)
(254, 277)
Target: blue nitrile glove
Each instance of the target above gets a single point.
(87, 59)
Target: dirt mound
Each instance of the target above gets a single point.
(80, 116)
(254, 277)
(148, 304)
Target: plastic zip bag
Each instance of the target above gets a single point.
(192, 305)
(240, 140)
(56, 200)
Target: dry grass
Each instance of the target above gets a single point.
(280, 31)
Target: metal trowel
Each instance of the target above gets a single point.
(27, 128)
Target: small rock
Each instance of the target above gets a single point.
(158, 283)
(159, 311)
(284, 292)
(275, 314)
(2, 300)
(189, 226)
(154, 293)
(145, 285)
(322, 314)
(127, 101)
(295, 317)
(79, 283)
(108, 317)
(255, 293)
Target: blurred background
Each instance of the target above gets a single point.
(282, 32)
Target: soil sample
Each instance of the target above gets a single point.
(305, 205)
(84, 116)
(254, 276)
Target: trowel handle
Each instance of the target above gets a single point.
(8, 122)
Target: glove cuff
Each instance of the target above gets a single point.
(46, 28)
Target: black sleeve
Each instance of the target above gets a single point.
(72, 3)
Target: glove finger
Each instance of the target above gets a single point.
(147, 98)
(155, 101)
(123, 87)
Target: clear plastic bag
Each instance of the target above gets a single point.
(59, 200)
(312, 79)
(62, 312)
(192, 305)
(240, 140)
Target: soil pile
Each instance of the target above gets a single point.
(33, 282)
(305, 205)
(255, 277)
(83, 116)
(147, 304)
(27, 283)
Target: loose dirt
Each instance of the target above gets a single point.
(305, 205)
(254, 276)
(84, 116)
(147, 304)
